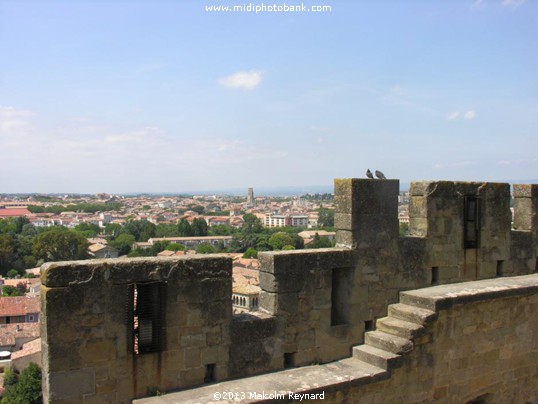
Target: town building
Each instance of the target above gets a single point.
(271, 220)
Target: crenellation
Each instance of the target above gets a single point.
(314, 305)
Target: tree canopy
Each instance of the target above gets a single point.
(23, 388)
(60, 245)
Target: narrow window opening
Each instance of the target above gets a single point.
(148, 317)
(289, 360)
(369, 325)
(500, 268)
(471, 219)
(340, 295)
(536, 265)
(435, 275)
(210, 373)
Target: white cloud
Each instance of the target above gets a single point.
(12, 118)
(469, 115)
(517, 162)
(478, 4)
(89, 156)
(245, 80)
(513, 3)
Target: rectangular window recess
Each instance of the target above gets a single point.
(289, 360)
(435, 275)
(210, 373)
(340, 295)
(500, 268)
(471, 222)
(147, 320)
(369, 325)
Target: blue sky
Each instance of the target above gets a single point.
(164, 96)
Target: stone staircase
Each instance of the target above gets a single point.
(394, 336)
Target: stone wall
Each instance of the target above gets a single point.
(467, 342)
(87, 327)
(315, 305)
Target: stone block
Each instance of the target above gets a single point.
(418, 227)
(419, 188)
(525, 190)
(98, 351)
(343, 221)
(250, 328)
(345, 238)
(217, 312)
(192, 357)
(60, 274)
(417, 207)
(71, 384)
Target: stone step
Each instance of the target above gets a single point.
(388, 342)
(398, 327)
(377, 357)
(412, 314)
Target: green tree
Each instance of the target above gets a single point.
(404, 229)
(29, 261)
(8, 226)
(123, 243)
(141, 230)
(113, 229)
(140, 252)
(199, 227)
(176, 247)
(281, 239)
(250, 253)
(29, 230)
(27, 388)
(205, 248)
(11, 378)
(12, 291)
(184, 228)
(88, 230)
(222, 230)
(197, 208)
(7, 252)
(159, 246)
(319, 242)
(166, 230)
(12, 273)
(251, 224)
(326, 217)
(60, 245)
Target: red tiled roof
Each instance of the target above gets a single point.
(29, 348)
(18, 306)
(14, 212)
(10, 332)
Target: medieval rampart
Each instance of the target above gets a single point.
(114, 330)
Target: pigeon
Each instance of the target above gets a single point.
(380, 175)
(369, 174)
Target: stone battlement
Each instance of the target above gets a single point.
(114, 330)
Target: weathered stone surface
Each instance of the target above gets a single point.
(252, 327)
(92, 300)
(71, 384)
(444, 296)
(525, 190)
(58, 274)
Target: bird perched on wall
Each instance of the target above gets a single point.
(380, 175)
(369, 174)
